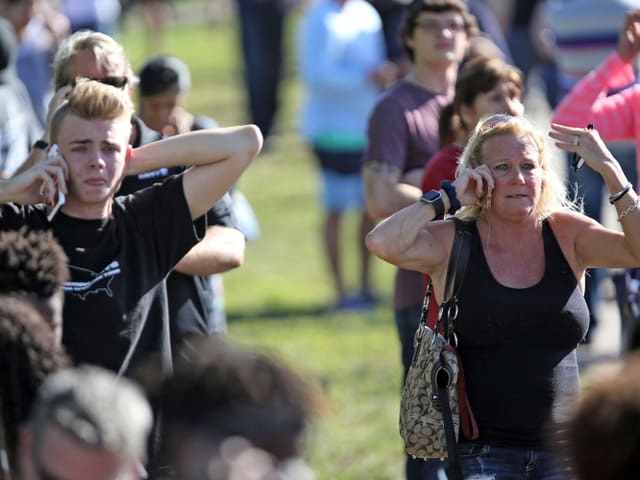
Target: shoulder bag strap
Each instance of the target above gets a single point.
(454, 469)
(462, 232)
(458, 259)
(424, 314)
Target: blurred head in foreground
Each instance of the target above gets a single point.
(229, 412)
(87, 423)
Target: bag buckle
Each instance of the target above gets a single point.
(441, 377)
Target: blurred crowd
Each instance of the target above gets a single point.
(117, 221)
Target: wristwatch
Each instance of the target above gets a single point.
(434, 198)
(40, 145)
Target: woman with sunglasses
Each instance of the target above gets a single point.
(522, 310)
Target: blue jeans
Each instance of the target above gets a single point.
(486, 462)
(407, 320)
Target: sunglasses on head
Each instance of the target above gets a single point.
(495, 120)
(114, 81)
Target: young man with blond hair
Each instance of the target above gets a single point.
(120, 249)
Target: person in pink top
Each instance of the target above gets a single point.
(609, 98)
(617, 116)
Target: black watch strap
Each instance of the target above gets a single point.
(40, 145)
(434, 198)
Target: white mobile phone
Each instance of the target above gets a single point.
(57, 206)
(54, 151)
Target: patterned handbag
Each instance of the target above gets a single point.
(434, 403)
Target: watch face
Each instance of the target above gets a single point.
(434, 199)
(431, 196)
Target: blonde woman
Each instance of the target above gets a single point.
(522, 309)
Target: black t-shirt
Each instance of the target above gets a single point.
(518, 347)
(116, 309)
(190, 298)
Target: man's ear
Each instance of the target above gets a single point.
(408, 41)
(126, 170)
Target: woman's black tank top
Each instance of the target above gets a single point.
(518, 346)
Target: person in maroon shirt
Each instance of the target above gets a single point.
(403, 134)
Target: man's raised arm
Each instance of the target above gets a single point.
(218, 157)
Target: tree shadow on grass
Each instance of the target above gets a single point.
(302, 311)
(283, 312)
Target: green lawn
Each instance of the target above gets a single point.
(278, 300)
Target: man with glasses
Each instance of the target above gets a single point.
(94, 56)
(98, 57)
(403, 135)
(87, 423)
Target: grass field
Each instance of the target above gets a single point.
(278, 300)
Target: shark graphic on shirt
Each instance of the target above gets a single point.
(93, 282)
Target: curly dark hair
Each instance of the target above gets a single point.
(31, 262)
(28, 353)
(604, 431)
(222, 390)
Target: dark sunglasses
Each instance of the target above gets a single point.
(114, 81)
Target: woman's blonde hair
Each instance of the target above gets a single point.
(552, 194)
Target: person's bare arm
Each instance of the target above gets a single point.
(221, 250)
(37, 184)
(385, 190)
(410, 239)
(35, 156)
(218, 157)
(595, 245)
(629, 39)
(404, 240)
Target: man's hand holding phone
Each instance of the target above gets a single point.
(54, 151)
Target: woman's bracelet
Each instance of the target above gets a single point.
(629, 209)
(450, 190)
(617, 196)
